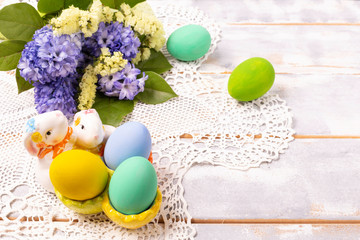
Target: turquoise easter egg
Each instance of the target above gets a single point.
(189, 42)
(251, 79)
(133, 186)
(128, 140)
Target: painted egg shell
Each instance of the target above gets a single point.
(251, 79)
(128, 140)
(78, 174)
(133, 186)
(189, 42)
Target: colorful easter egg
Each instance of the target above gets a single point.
(251, 79)
(78, 174)
(189, 42)
(133, 186)
(128, 140)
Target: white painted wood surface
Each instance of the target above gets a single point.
(313, 179)
(277, 11)
(315, 49)
(322, 104)
(277, 231)
(295, 49)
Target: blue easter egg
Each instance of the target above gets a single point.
(128, 140)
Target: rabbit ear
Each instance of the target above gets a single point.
(30, 145)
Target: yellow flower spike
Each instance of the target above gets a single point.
(119, 17)
(108, 14)
(126, 9)
(143, 20)
(87, 88)
(72, 19)
(132, 221)
(145, 54)
(36, 137)
(105, 51)
(109, 64)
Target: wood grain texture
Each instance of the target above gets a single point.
(296, 49)
(323, 104)
(314, 179)
(282, 10)
(288, 11)
(314, 47)
(277, 231)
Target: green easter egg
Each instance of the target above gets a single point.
(251, 79)
(189, 42)
(133, 186)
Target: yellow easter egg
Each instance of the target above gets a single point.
(78, 174)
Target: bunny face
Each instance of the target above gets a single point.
(49, 128)
(88, 129)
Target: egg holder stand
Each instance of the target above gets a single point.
(101, 203)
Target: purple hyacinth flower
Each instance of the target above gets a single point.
(57, 95)
(128, 89)
(114, 36)
(50, 63)
(48, 57)
(123, 84)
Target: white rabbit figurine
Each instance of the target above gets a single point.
(48, 135)
(91, 133)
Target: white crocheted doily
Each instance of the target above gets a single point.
(204, 124)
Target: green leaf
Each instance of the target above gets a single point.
(10, 53)
(49, 16)
(19, 21)
(156, 63)
(82, 4)
(116, 3)
(2, 37)
(112, 110)
(132, 3)
(112, 3)
(22, 84)
(54, 6)
(157, 90)
(50, 6)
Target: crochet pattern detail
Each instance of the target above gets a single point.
(203, 125)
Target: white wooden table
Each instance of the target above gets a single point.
(313, 190)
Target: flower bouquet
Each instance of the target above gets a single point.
(86, 54)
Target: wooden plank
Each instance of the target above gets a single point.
(273, 221)
(326, 136)
(321, 105)
(277, 231)
(297, 49)
(277, 10)
(292, 24)
(296, 136)
(314, 179)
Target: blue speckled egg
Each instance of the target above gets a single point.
(128, 140)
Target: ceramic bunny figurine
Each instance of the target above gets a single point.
(91, 133)
(48, 135)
